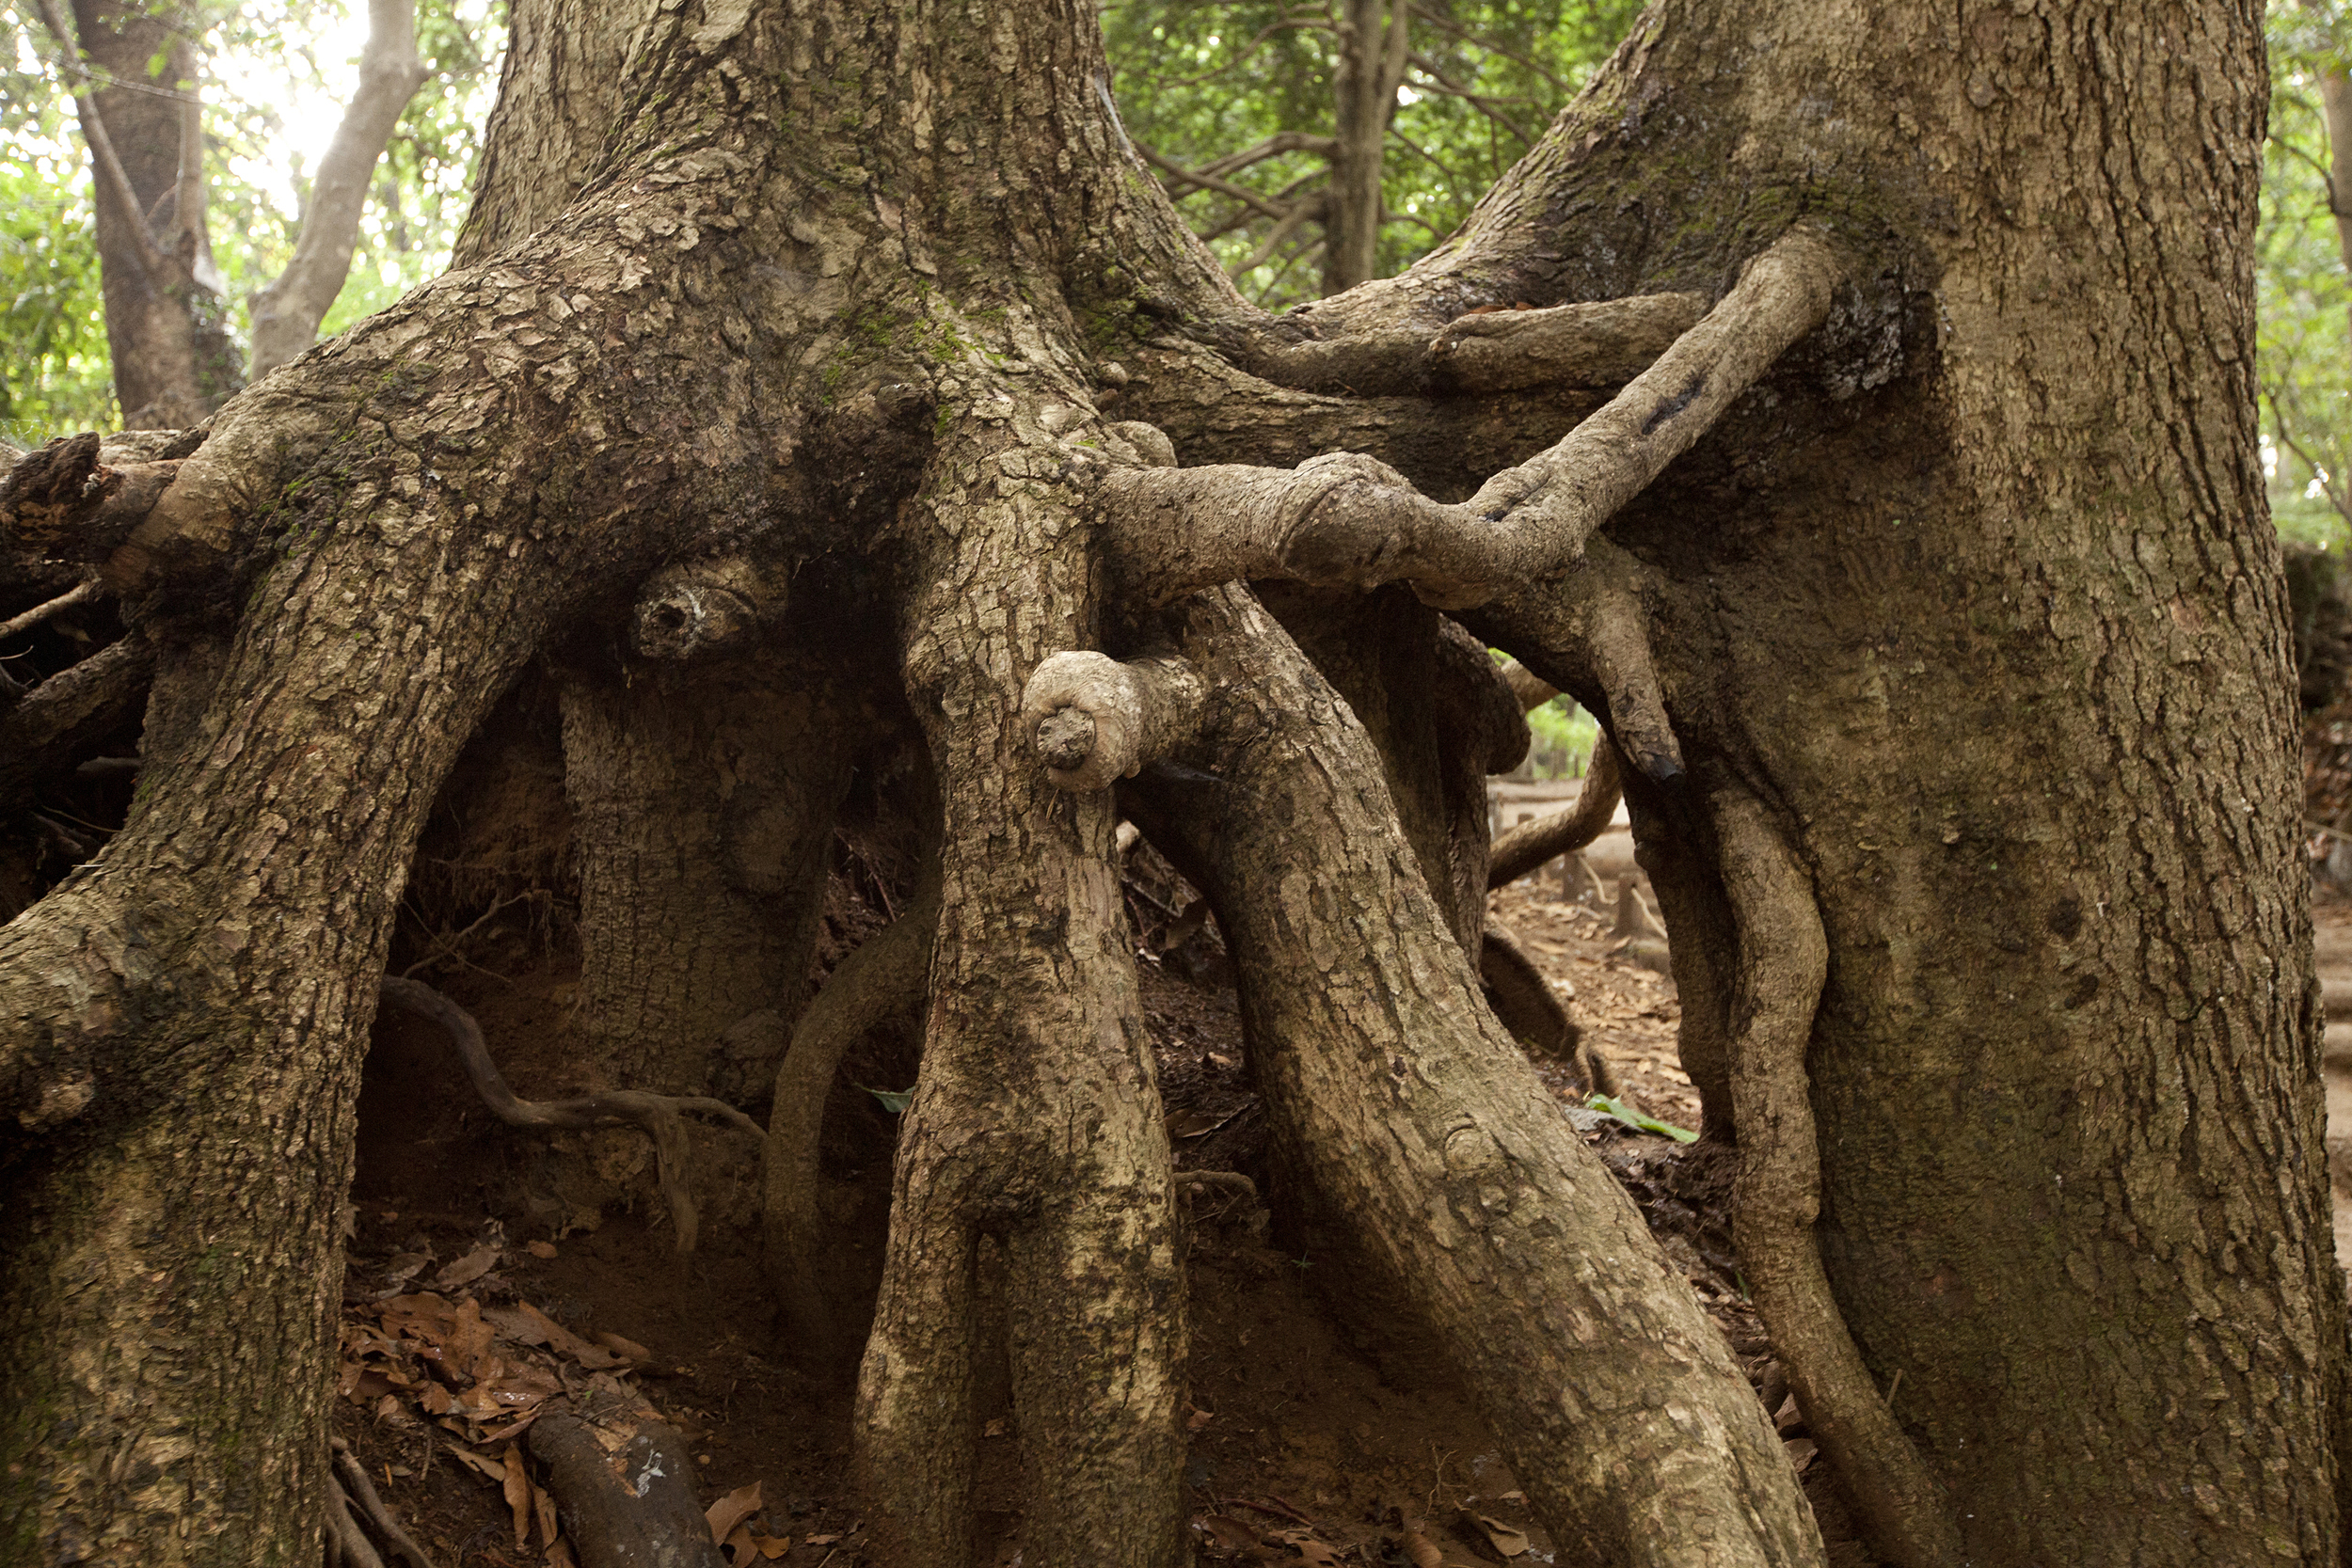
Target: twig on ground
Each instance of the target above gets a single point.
(362, 1491)
(40, 612)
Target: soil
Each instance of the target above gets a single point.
(1315, 1437)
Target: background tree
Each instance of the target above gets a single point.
(134, 76)
(2305, 259)
(1902, 517)
(1315, 146)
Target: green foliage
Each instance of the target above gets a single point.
(2303, 294)
(1564, 739)
(263, 61)
(53, 332)
(1195, 82)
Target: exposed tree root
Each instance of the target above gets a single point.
(1036, 1120)
(620, 1475)
(657, 1114)
(45, 734)
(1428, 1139)
(1531, 844)
(1532, 1011)
(354, 1493)
(883, 979)
(1603, 344)
(1348, 521)
(1783, 960)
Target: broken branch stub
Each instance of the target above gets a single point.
(1095, 720)
(704, 605)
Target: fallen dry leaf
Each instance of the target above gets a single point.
(738, 1545)
(731, 1511)
(540, 1249)
(1502, 1537)
(1308, 1548)
(543, 1509)
(518, 1496)
(1199, 1418)
(560, 1555)
(526, 1324)
(481, 1462)
(481, 1260)
(820, 1540)
(771, 1547)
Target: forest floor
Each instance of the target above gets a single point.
(1317, 1436)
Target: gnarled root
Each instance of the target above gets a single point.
(1036, 1121)
(883, 979)
(1784, 957)
(658, 1114)
(1392, 1087)
(1532, 1011)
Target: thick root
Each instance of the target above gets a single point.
(1390, 1084)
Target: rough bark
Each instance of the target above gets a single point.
(1428, 1141)
(703, 804)
(1923, 539)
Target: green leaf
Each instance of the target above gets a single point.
(893, 1100)
(1635, 1119)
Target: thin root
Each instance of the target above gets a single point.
(1784, 958)
(658, 1114)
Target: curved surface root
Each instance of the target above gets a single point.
(658, 1114)
(1531, 844)
(1783, 960)
(883, 979)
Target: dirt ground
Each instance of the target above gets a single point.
(1316, 1438)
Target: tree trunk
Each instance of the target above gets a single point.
(1373, 40)
(166, 324)
(1923, 584)
(286, 314)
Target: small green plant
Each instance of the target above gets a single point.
(1639, 1122)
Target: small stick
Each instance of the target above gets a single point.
(40, 612)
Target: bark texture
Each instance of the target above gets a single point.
(1929, 557)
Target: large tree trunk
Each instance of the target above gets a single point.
(2017, 1026)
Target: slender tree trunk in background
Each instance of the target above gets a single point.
(1373, 40)
(1924, 585)
(286, 314)
(166, 324)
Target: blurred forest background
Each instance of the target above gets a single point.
(1311, 142)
